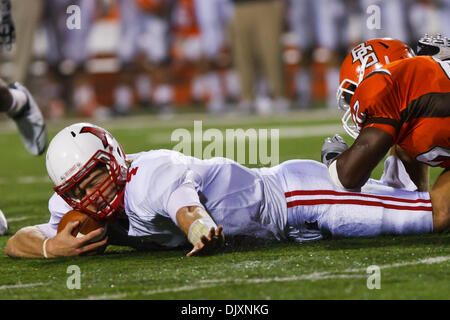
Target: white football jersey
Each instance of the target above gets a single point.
(295, 200)
(239, 198)
(245, 201)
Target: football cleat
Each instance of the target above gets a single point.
(30, 123)
(3, 224)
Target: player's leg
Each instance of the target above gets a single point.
(301, 23)
(299, 179)
(19, 105)
(441, 202)
(76, 41)
(156, 48)
(27, 16)
(390, 205)
(374, 217)
(242, 50)
(131, 28)
(313, 201)
(330, 23)
(268, 32)
(212, 40)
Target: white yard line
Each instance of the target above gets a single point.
(152, 292)
(403, 264)
(284, 133)
(330, 275)
(186, 120)
(19, 219)
(25, 180)
(32, 179)
(21, 285)
(312, 277)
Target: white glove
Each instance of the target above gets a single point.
(331, 148)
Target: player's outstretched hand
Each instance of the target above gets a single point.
(65, 244)
(209, 244)
(331, 148)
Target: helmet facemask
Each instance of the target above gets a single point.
(344, 96)
(105, 201)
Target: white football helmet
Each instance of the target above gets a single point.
(74, 152)
(436, 46)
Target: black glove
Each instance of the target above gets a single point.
(331, 148)
(7, 29)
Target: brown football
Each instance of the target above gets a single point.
(86, 225)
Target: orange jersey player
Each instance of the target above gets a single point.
(184, 21)
(410, 100)
(185, 33)
(397, 100)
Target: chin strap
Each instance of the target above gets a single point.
(349, 128)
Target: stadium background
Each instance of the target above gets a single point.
(132, 56)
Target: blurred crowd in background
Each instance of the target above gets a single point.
(116, 57)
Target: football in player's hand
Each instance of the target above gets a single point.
(86, 225)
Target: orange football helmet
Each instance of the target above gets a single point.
(363, 59)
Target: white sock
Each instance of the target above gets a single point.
(19, 100)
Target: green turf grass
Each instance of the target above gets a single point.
(327, 269)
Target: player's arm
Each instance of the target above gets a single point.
(352, 168)
(26, 243)
(441, 203)
(417, 171)
(31, 242)
(200, 229)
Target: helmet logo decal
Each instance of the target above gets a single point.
(71, 171)
(365, 53)
(99, 133)
(131, 173)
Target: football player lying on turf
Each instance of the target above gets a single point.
(401, 101)
(171, 199)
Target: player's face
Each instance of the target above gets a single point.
(98, 187)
